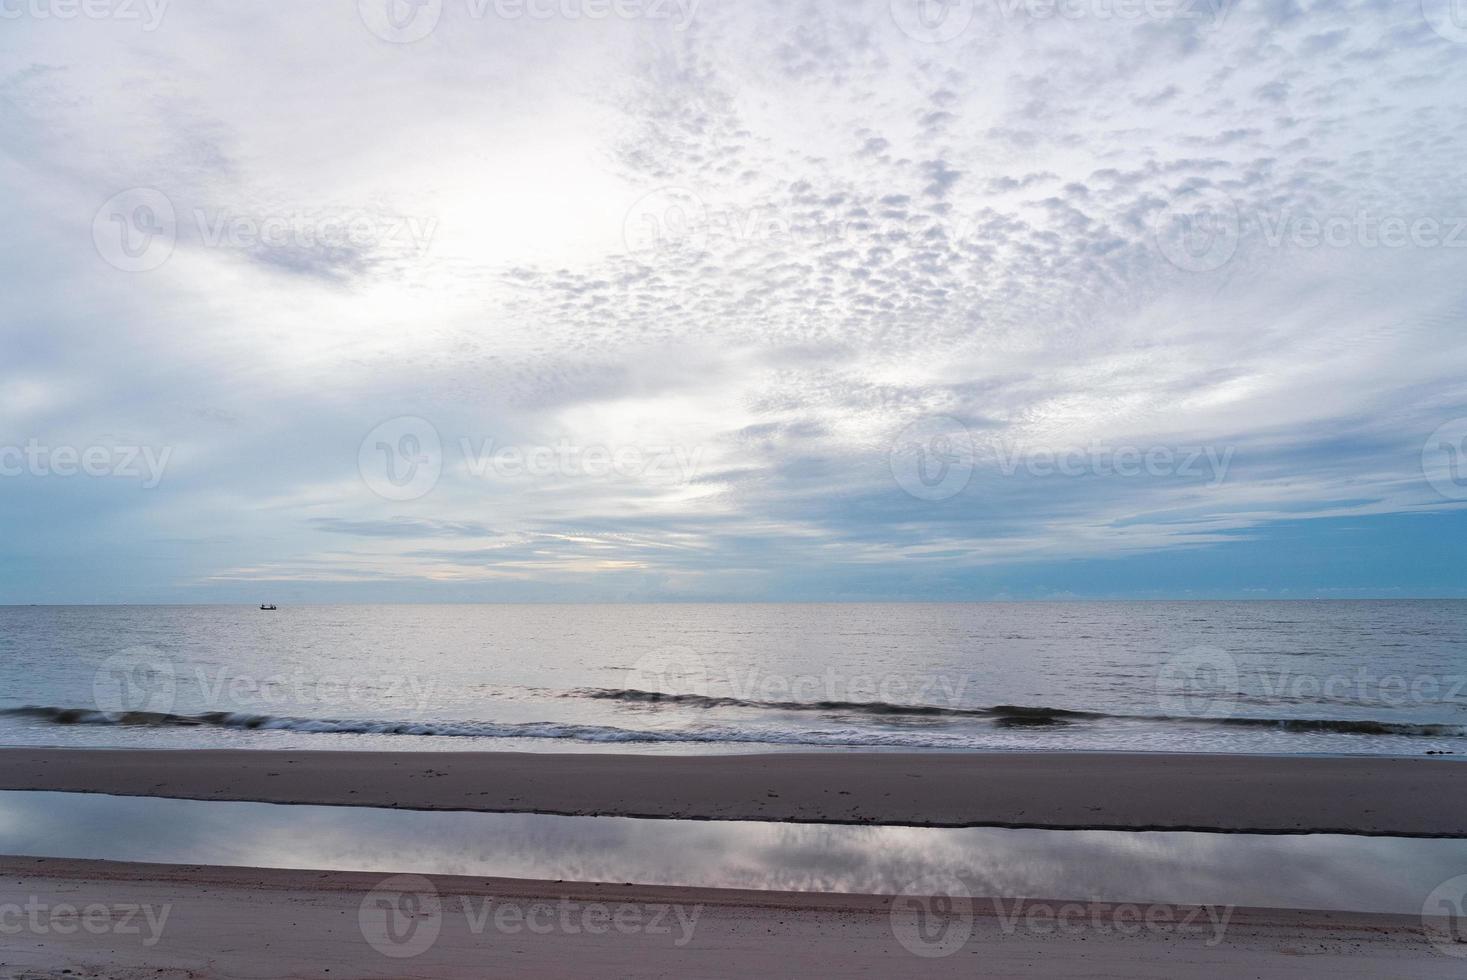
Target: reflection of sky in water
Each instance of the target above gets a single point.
(1316, 871)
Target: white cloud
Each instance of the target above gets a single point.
(850, 229)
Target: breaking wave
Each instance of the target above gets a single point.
(1002, 716)
(1019, 716)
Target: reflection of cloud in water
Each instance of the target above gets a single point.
(1318, 871)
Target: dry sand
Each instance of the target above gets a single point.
(222, 922)
(1258, 794)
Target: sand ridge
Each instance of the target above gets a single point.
(1122, 791)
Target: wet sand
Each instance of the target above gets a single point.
(166, 921)
(1245, 794)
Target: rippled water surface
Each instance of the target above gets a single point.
(1367, 874)
(1279, 677)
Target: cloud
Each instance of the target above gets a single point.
(760, 248)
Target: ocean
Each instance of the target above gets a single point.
(1300, 677)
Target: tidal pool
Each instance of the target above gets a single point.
(1322, 871)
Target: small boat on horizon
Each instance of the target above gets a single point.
(268, 606)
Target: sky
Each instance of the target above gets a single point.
(640, 300)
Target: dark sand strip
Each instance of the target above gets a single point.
(1246, 794)
(243, 922)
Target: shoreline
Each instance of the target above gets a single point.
(201, 921)
(1372, 796)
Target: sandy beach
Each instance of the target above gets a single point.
(113, 919)
(1242, 794)
(220, 922)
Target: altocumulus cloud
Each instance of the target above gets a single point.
(1078, 250)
